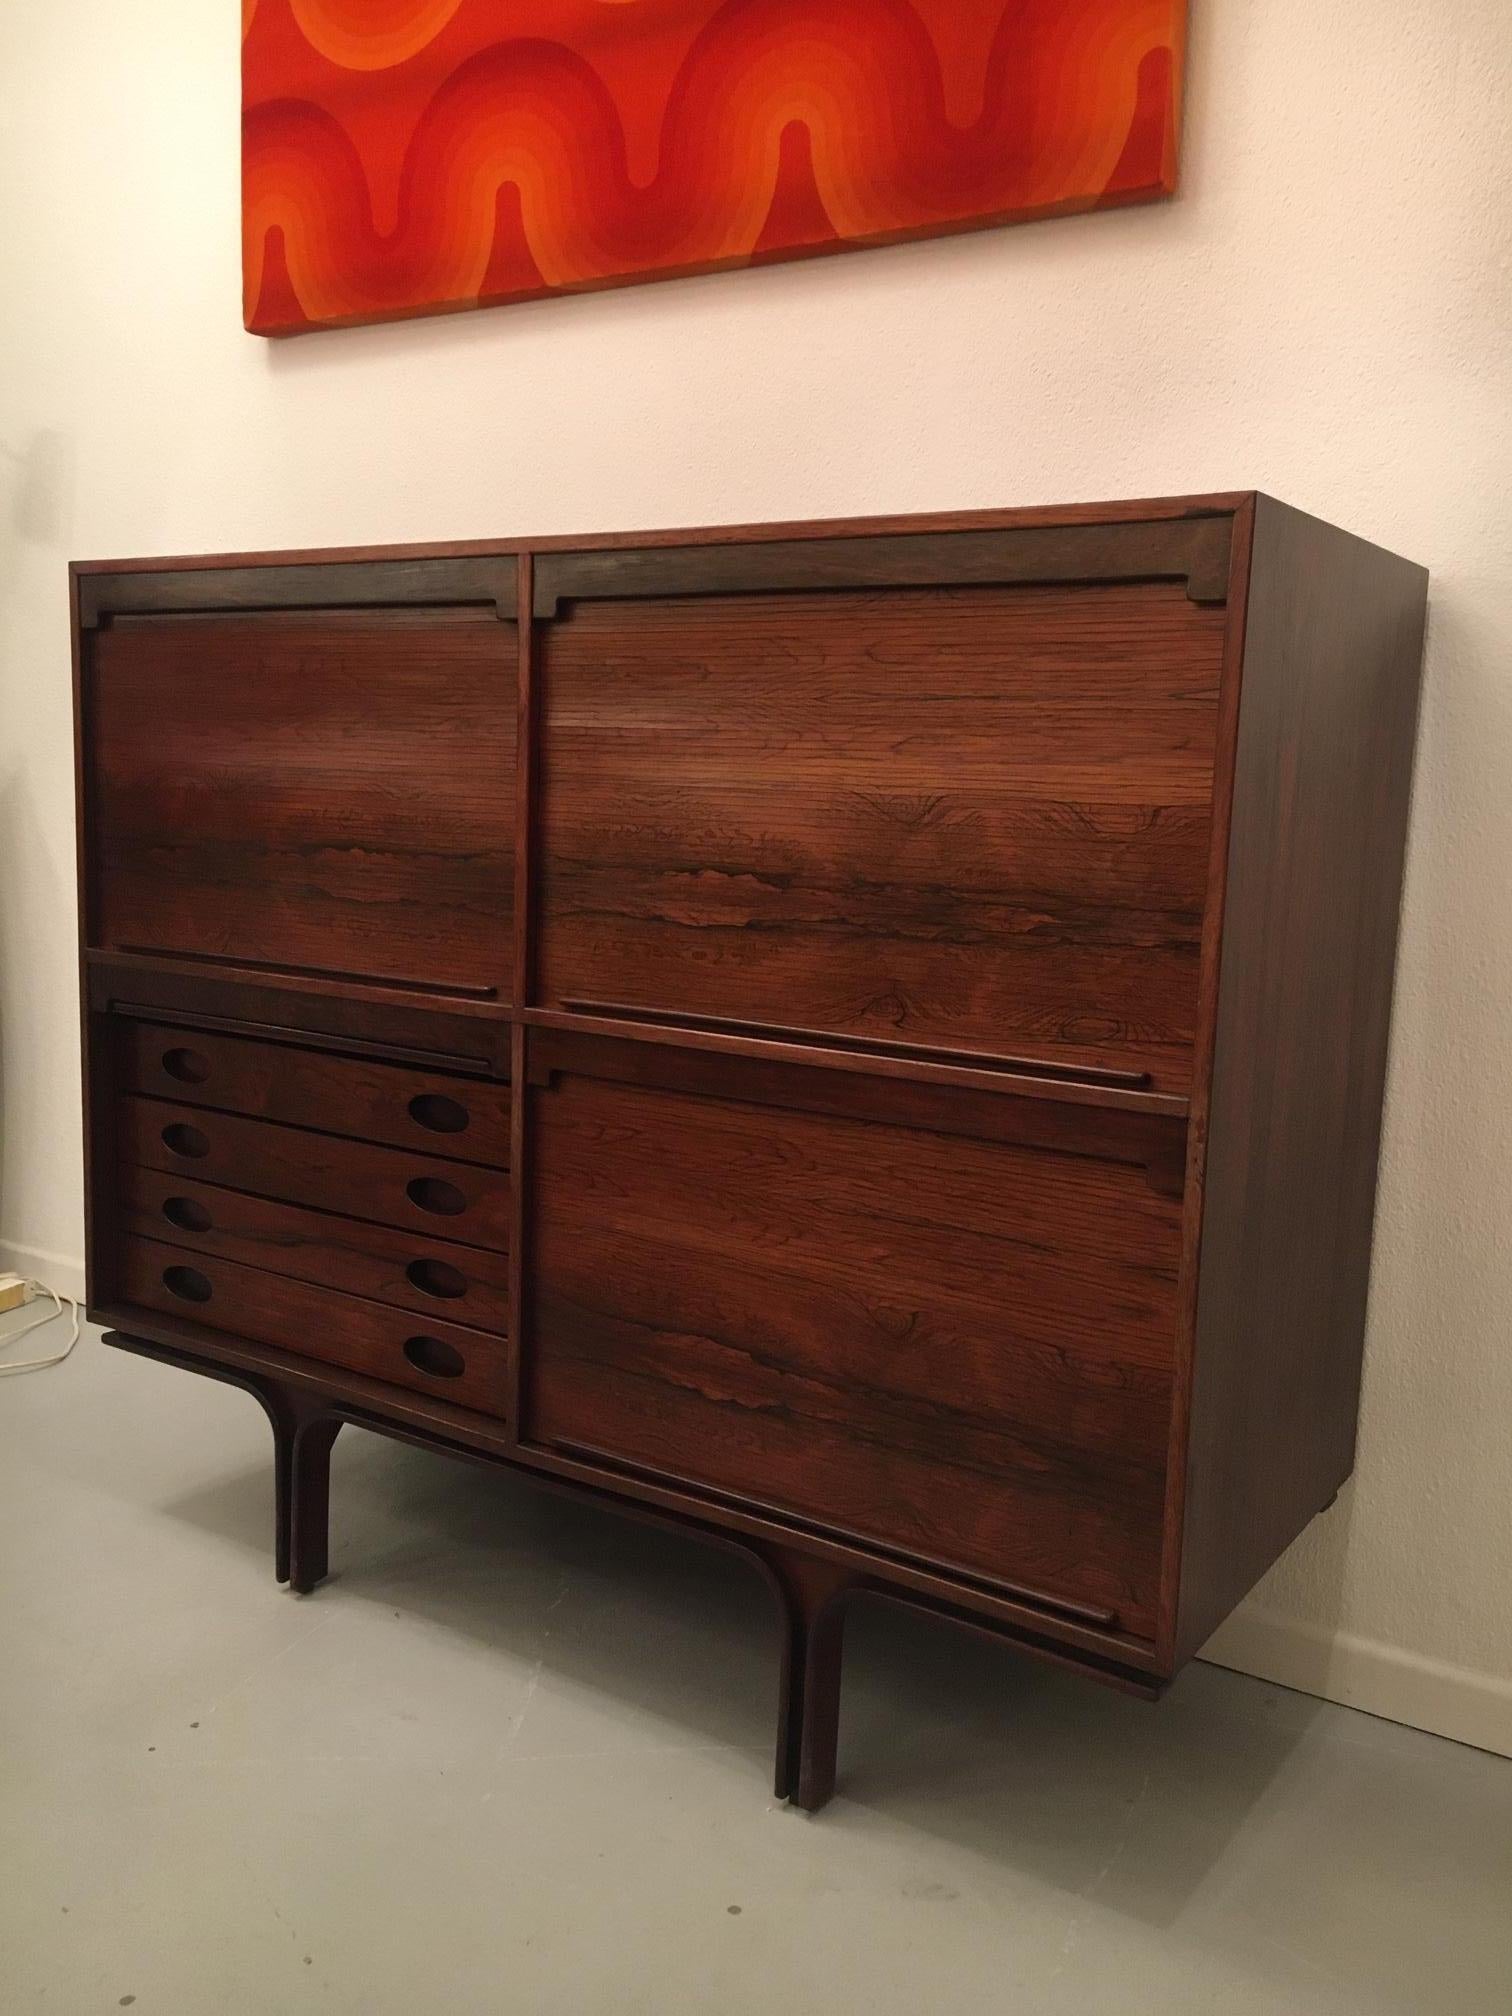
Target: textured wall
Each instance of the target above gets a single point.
(1325, 312)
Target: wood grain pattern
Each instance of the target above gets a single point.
(973, 819)
(323, 795)
(349, 1254)
(374, 1101)
(1323, 770)
(316, 1322)
(298, 1167)
(951, 1347)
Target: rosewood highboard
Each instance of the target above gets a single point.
(862, 1040)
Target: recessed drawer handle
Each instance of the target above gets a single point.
(435, 1277)
(438, 1114)
(430, 1193)
(185, 1140)
(435, 1357)
(188, 1214)
(190, 1067)
(187, 1283)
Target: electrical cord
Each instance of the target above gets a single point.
(37, 1289)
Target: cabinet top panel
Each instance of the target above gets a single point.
(1122, 512)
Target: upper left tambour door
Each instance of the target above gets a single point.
(324, 791)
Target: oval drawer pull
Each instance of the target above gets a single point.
(438, 1114)
(185, 1140)
(430, 1193)
(187, 1283)
(435, 1357)
(435, 1277)
(188, 1066)
(188, 1214)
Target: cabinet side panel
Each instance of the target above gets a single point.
(1332, 669)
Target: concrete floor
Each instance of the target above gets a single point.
(516, 1757)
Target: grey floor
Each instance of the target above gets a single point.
(515, 1756)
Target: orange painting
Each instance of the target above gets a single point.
(405, 157)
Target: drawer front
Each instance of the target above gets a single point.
(431, 1277)
(463, 1366)
(955, 1347)
(420, 1193)
(974, 820)
(465, 1119)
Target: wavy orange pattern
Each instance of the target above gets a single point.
(405, 157)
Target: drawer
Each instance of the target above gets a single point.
(420, 1193)
(432, 1277)
(464, 1119)
(464, 1366)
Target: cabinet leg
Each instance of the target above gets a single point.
(284, 1420)
(811, 1595)
(310, 1502)
(283, 1486)
(302, 1440)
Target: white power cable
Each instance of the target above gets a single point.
(35, 1290)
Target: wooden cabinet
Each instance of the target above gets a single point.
(863, 1041)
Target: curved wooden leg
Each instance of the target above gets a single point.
(284, 1422)
(812, 1597)
(310, 1501)
(302, 1439)
(283, 1494)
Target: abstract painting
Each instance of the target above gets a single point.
(406, 157)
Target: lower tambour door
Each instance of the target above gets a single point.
(940, 1321)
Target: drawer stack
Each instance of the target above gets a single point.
(348, 1209)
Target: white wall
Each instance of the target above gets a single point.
(1326, 312)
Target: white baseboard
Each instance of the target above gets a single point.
(62, 1271)
(1453, 1701)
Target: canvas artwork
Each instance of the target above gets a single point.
(407, 157)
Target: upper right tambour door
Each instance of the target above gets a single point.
(971, 818)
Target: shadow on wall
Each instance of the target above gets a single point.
(1033, 1770)
(39, 479)
(37, 488)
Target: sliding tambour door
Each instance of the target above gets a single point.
(321, 788)
(969, 816)
(941, 1322)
